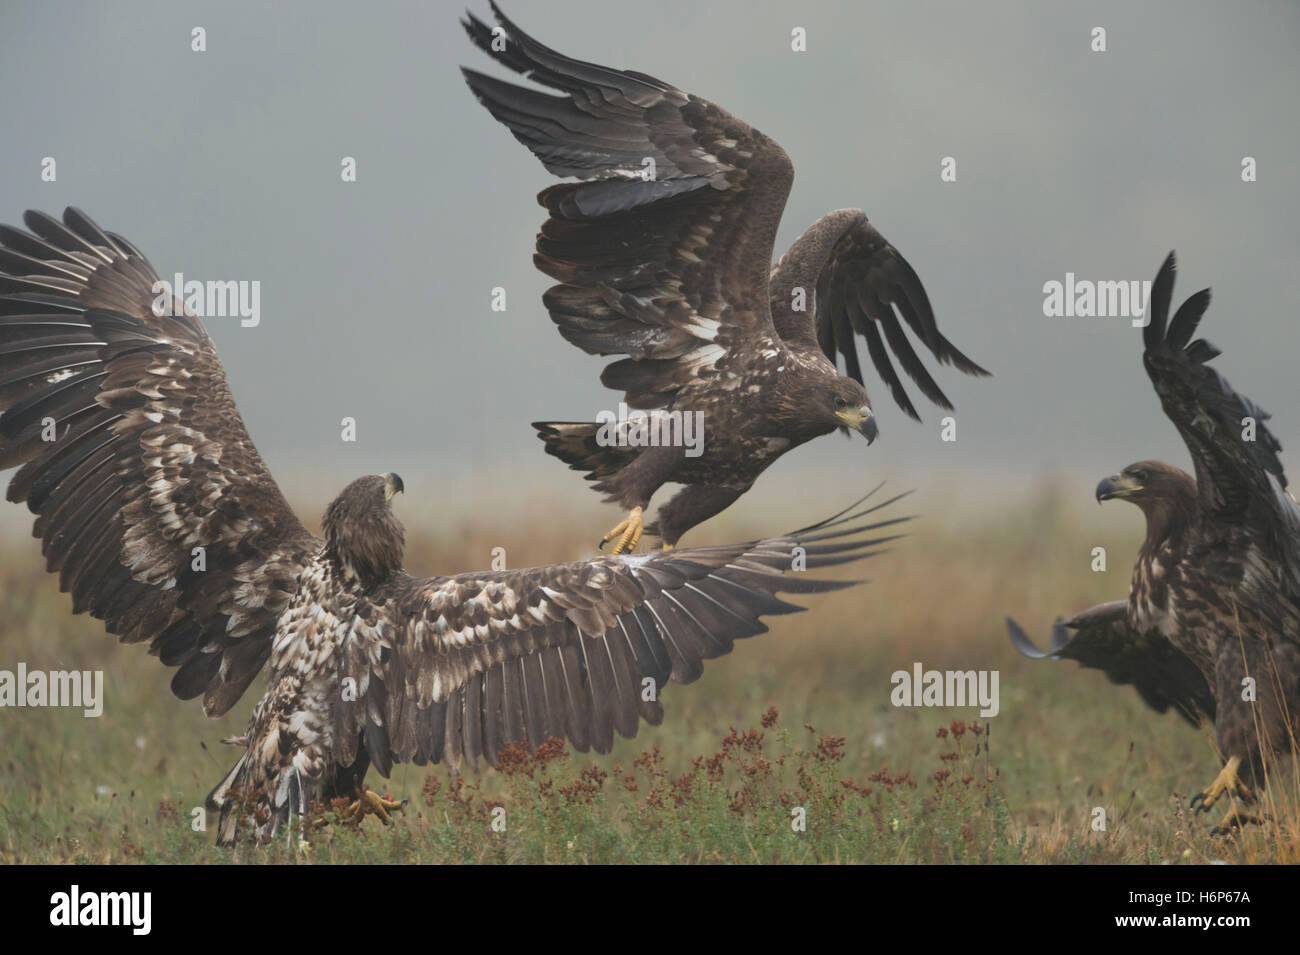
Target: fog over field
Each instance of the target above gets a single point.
(375, 294)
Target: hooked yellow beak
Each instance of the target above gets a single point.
(392, 485)
(860, 420)
(1117, 485)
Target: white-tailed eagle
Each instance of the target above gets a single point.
(664, 255)
(1212, 623)
(134, 459)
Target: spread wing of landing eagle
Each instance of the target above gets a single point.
(1102, 639)
(1214, 605)
(133, 457)
(664, 251)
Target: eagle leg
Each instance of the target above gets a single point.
(1226, 783)
(628, 533)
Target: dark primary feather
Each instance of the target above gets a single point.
(669, 270)
(1101, 638)
(151, 459)
(1239, 481)
(672, 269)
(860, 279)
(581, 651)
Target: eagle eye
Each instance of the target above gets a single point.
(1140, 475)
(840, 403)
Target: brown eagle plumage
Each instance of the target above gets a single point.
(664, 255)
(161, 519)
(1212, 623)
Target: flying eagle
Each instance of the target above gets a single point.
(1212, 623)
(135, 461)
(664, 255)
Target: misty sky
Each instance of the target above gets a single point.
(375, 294)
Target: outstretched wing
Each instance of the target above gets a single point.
(859, 280)
(1103, 640)
(1239, 476)
(456, 668)
(151, 502)
(664, 250)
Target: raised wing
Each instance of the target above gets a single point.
(455, 668)
(861, 285)
(1239, 475)
(664, 250)
(1103, 640)
(151, 502)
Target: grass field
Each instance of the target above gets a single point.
(798, 718)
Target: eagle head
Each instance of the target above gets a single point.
(1143, 482)
(361, 532)
(1166, 495)
(844, 404)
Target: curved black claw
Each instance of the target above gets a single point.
(1237, 820)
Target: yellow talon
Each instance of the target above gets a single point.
(628, 533)
(1237, 817)
(370, 803)
(1229, 784)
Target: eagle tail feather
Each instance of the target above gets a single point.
(222, 800)
(575, 443)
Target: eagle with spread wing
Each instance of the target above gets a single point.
(1211, 627)
(133, 457)
(664, 255)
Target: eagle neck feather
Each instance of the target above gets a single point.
(1169, 517)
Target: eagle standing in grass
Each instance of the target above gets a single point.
(665, 256)
(161, 520)
(1212, 623)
